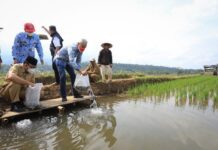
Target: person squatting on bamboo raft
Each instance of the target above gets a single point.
(105, 61)
(93, 71)
(69, 58)
(55, 46)
(25, 44)
(18, 78)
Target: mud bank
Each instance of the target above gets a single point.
(117, 86)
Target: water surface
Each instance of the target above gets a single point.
(120, 123)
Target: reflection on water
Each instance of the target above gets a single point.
(120, 123)
(181, 102)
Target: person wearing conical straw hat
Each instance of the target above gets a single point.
(105, 61)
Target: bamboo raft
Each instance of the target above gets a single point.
(45, 106)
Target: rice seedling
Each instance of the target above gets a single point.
(195, 87)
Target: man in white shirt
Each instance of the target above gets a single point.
(55, 46)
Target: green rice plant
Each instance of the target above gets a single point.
(193, 87)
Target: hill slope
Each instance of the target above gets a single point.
(126, 68)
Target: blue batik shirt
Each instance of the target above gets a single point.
(70, 55)
(25, 45)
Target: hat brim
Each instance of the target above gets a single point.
(106, 44)
(30, 30)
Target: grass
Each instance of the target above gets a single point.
(194, 87)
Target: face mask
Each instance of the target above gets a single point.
(81, 49)
(30, 34)
(31, 70)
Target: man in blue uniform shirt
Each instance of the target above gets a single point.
(25, 44)
(69, 58)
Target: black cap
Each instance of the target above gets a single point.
(31, 60)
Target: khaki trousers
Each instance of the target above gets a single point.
(94, 77)
(13, 92)
(106, 70)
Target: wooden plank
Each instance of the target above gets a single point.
(45, 105)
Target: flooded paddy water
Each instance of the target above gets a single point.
(120, 123)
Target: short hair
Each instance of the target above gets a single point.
(83, 42)
(52, 28)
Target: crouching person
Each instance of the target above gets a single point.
(18, 79)
(93, 71)
(69, 58)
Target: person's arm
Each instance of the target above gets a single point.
(46, 30)
(15, 48)
(78, 61)
(87, 70)
(15, 78)
(39, 49)
(57, 44)
(32, 78)
(57, 49)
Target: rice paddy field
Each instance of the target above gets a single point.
(179, 113)
(191, 88)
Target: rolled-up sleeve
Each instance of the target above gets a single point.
(73, 53)
(78, 60)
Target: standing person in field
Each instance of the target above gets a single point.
(69, 58)
(55, 46)
(105, 61)
(25, 44)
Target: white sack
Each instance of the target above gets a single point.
(82, 81)
(32, 95)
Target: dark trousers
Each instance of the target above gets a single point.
(57, 78)
(61, 66)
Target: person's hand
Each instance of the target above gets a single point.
(31, 84)
(84, 73)
(56, 51)
(42, 61)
